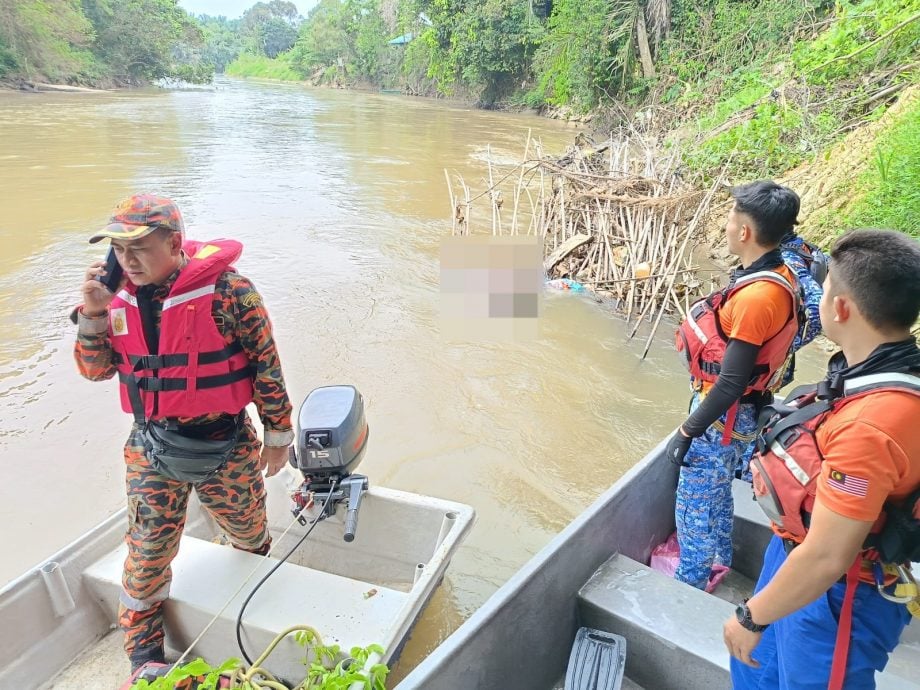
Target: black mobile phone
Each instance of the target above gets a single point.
(113, 272)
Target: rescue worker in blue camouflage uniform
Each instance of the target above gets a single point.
(737, 343)
(810, 267)
(809, 264)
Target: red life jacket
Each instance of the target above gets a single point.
(702, 341)
(195, 371)
(788, 461)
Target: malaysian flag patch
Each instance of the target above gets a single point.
(847, 483)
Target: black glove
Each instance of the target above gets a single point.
(678, 445)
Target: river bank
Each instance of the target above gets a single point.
(25, 86)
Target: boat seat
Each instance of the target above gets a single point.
(661, 620)
(674, 632)
(207, 575)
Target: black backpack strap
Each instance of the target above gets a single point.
(799, 416)
(899, 539)
(134, 397)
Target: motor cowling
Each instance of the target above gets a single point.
(331, 433)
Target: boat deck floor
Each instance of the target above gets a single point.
(734, 587)
(102, 666)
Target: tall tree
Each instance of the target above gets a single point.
(222, 40)
(270, 28)
(145, 39)
(323, 37)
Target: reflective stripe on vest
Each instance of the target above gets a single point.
(176, 300)
(701, 339)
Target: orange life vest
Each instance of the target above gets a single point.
(787, 463)
(195, 371)
(702, 341)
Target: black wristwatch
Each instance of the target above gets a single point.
(743, 614)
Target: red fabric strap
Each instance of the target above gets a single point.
(729, 424)
(844, 625)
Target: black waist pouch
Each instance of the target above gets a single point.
(185, 458)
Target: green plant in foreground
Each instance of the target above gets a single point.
(199, 670)
(323, 672)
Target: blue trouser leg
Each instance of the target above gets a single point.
(743, 471)
(704, 509)
(797, 651)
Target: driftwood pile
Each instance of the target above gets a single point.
(616, 218)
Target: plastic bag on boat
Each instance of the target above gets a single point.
(666, 556)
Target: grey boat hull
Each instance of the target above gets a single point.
(593, 574)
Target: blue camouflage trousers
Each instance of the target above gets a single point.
(704, 509)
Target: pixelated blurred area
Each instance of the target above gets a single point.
(491, 287)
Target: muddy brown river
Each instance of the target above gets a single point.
(341, 203)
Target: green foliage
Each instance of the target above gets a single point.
(222, 40)
(889, 191)
(198, 669)
(483, 47)
(125, 40)
(712, 39)
(270, 28)
(344, 40)
(762, 146)
(771, 119)
(326, 672)
(8, 61)
(327, 669)
(249, 65)
(141, 40)
(744, 87)
(570, 63)
(45, 38)
(833, 55)
(323, 40)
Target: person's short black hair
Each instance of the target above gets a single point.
(880, 271)
(772, 207)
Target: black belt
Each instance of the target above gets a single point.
(221, 428)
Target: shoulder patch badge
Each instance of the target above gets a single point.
(251, 299)
(847, 483)
(118, 321)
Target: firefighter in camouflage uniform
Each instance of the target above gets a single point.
(191, 344)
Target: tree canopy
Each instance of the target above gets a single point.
(124, 41)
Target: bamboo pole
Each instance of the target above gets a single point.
(623, 197)
(690, 230)
(453, 204)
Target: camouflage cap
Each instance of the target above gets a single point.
(139, 215)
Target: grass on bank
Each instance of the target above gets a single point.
(773, 117)
(249, 65)
(888, 192)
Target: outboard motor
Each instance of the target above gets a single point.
(330, 442)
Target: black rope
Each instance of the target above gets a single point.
(239, 618)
